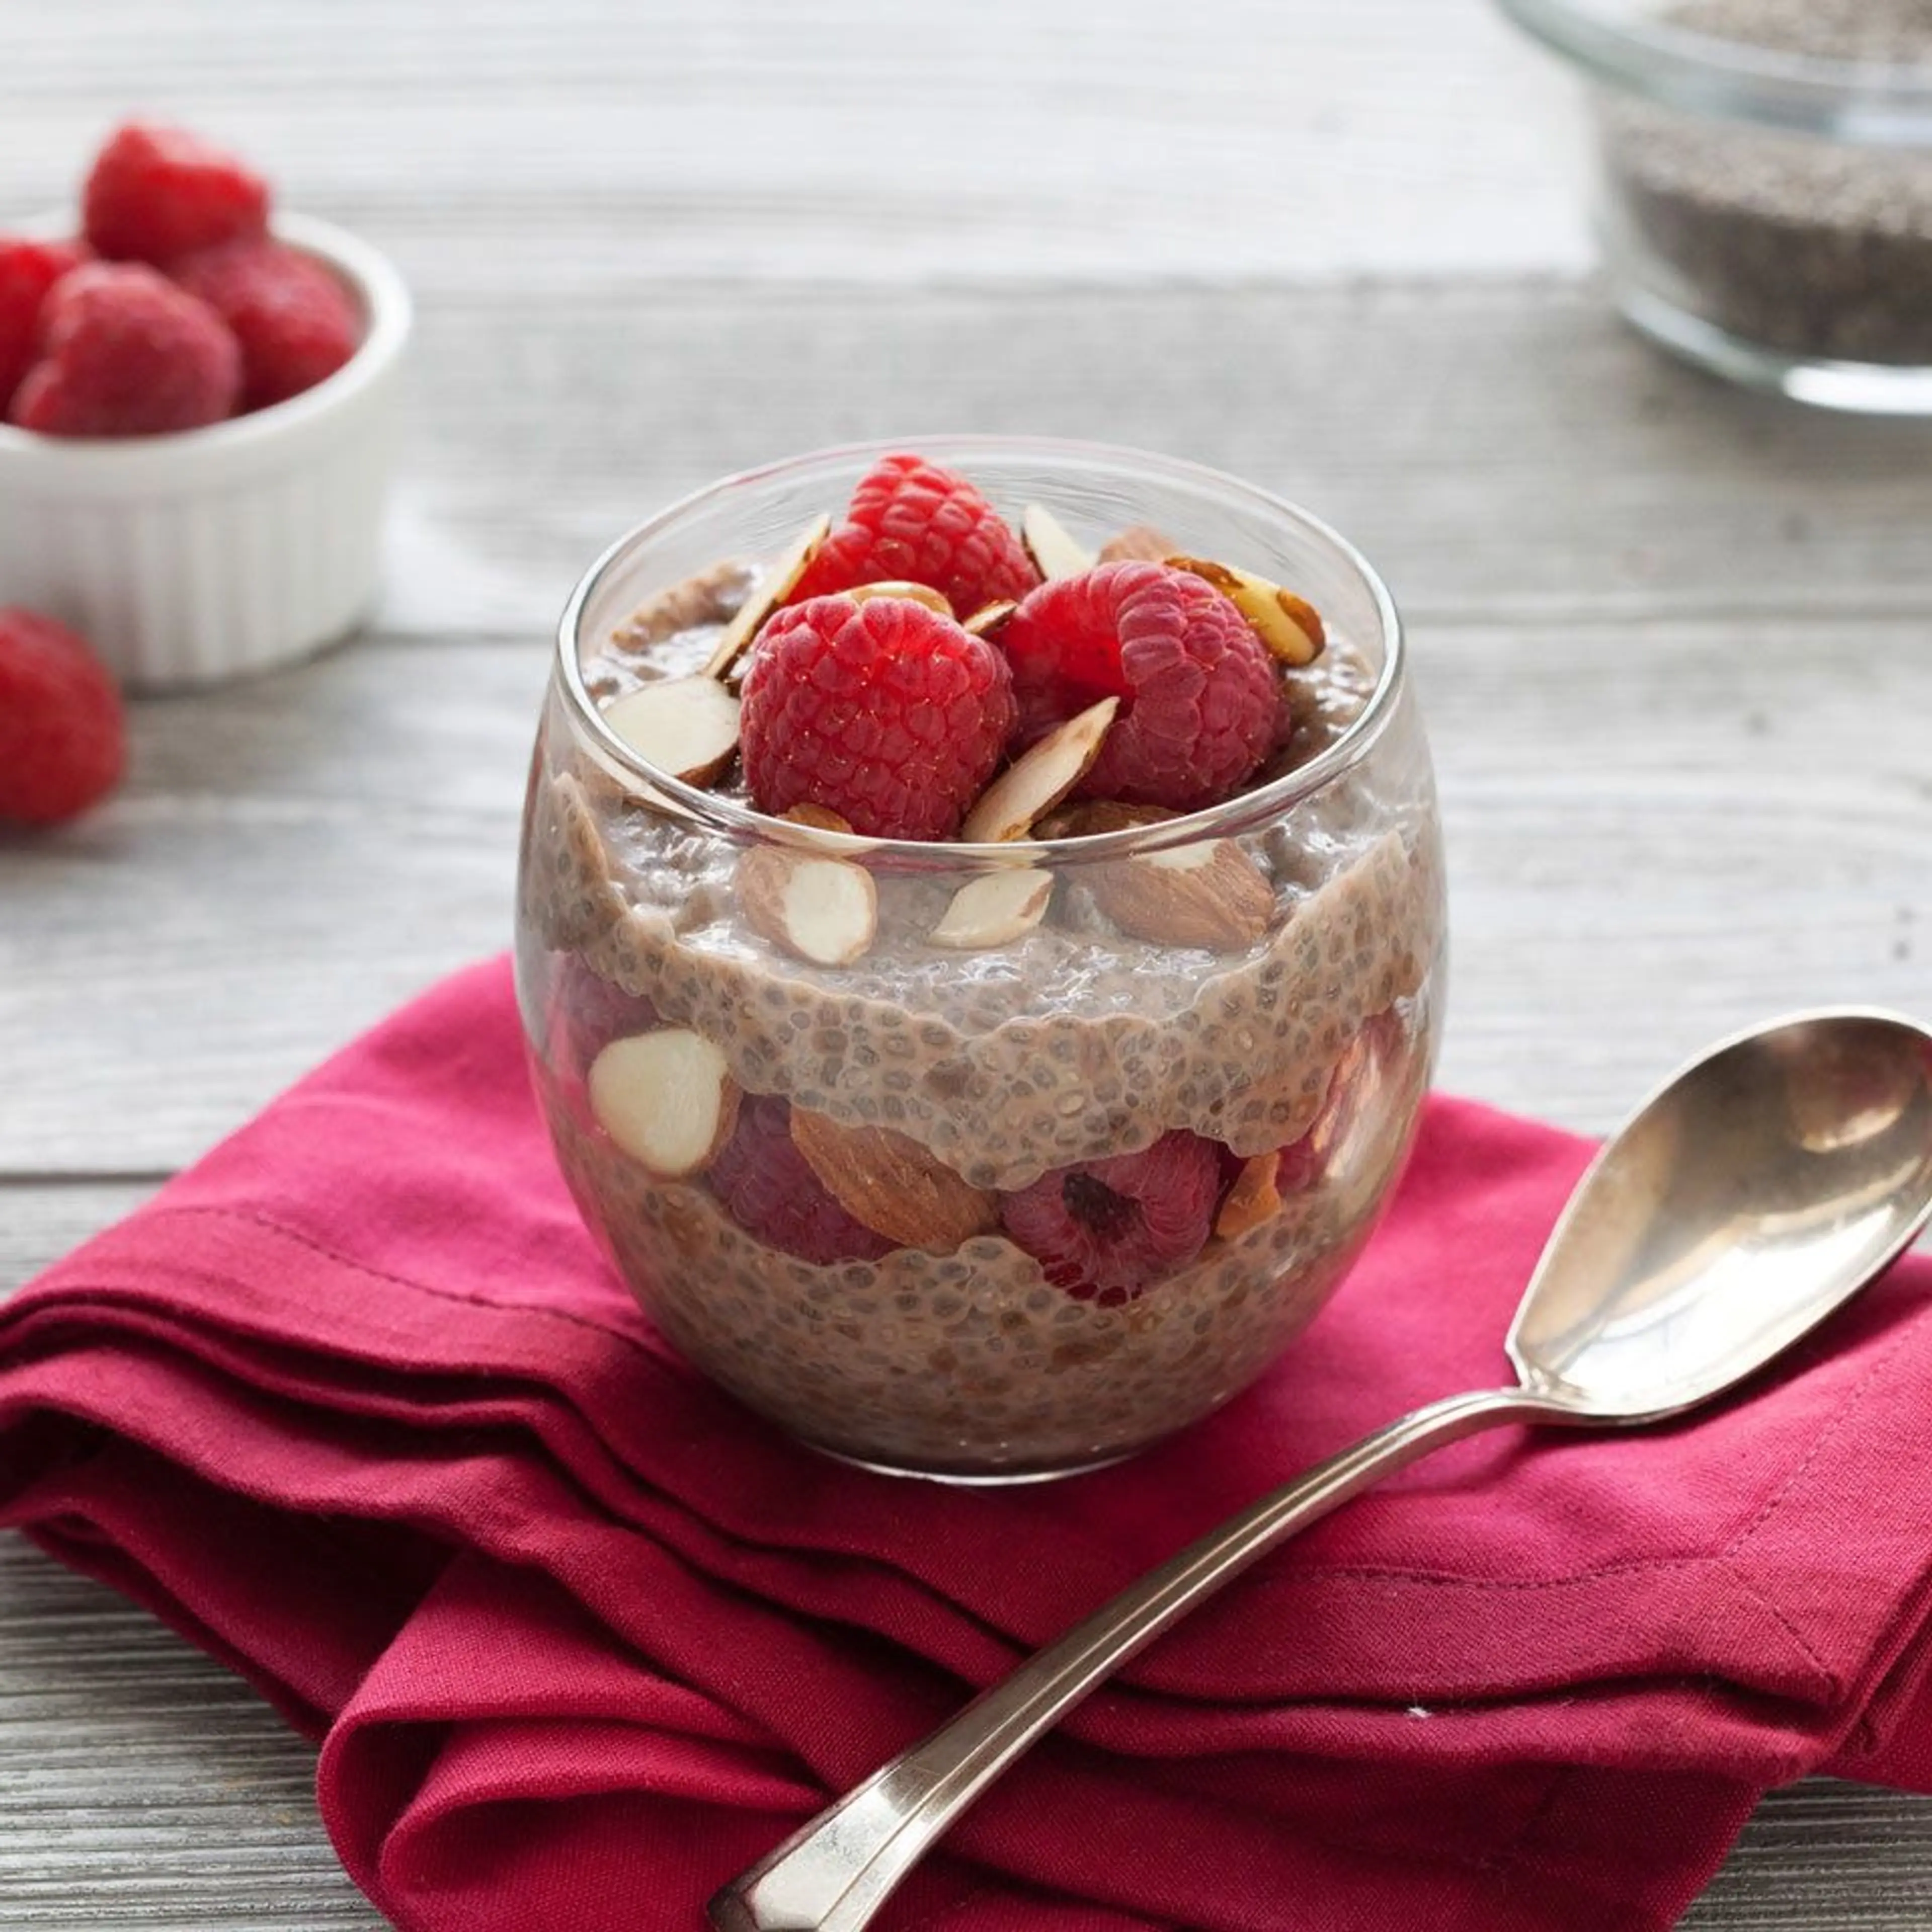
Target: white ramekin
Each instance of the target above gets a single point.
(189, 558)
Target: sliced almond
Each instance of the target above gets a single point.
(686, 726)
(1055, 551)
(667, 1098)
(920, 593)
(1139, 543)
(1040, 778)
(1287, 624)
(995, 910)
(819, 817)
(1254, 1198)
(824, 909)
(892, 1184)
(990, 617)
(1088, 817)
(1210, 894)
(773, 588)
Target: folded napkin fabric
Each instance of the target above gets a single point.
(355, 1406)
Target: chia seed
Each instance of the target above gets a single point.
(1815, 248)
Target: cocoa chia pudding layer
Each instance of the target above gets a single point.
(1810, 246)
(981, 1163)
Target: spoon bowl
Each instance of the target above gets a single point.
(1754, 1193)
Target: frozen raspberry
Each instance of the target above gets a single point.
(156, 193)
(294, 320)
(63, 741)
(1197, 687)
(28, 270)
(1104, 1230)
(124, 352)
(768, 1190)
(910, 522)
(888, 713)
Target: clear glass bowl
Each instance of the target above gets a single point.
(1763, 184)
(1297, 1051)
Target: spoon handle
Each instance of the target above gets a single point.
(835, 1872)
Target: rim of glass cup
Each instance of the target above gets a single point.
(1866, 102)
(1246, 812)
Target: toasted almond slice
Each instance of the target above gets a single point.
(686, 726)
(1287, 624)
(990, 617)
(667, 1098)
(1088, 817)
(920, 593)
(1139, 543)
(1209, 894)
(825, 911)
(995, 909)
(1040, 778)
(1055, 551)
(773, 588)
(819, 817)
(892, 1184)
(1253, 1198)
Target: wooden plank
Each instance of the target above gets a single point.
(1505, 452)
(1658, 832)
(853, 140)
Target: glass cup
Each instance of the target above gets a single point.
(1763, 185)
(845, 1190)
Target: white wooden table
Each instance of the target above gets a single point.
(1674, 643)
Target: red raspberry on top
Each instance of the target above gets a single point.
(63, 742)
(295, 323)
(28, 270)
(769, 1190)
(884, 711)
(155, 192)
(124, 352)
(1197, 687)
(910, 522)
(1104, 1230)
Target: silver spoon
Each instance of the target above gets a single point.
(1756, 1191)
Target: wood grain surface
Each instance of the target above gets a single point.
(1674, 642)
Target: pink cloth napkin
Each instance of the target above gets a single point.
(355, 1406)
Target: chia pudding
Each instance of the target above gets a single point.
(1810, 246)
(979, 1156)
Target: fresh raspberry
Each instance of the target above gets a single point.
(1197, 686)
(155, 192)
(63, 740)
(294, 320)
(1104, 1230)
(769, 1191)
(888, 713)
(589, 1012)
(910, 522)
(28, 270)
(124, 352)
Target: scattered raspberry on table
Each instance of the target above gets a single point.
(124, 352)
(911, 522)
(63, 739)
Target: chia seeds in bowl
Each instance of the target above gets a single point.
(852, 1247)
(1764, 172)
